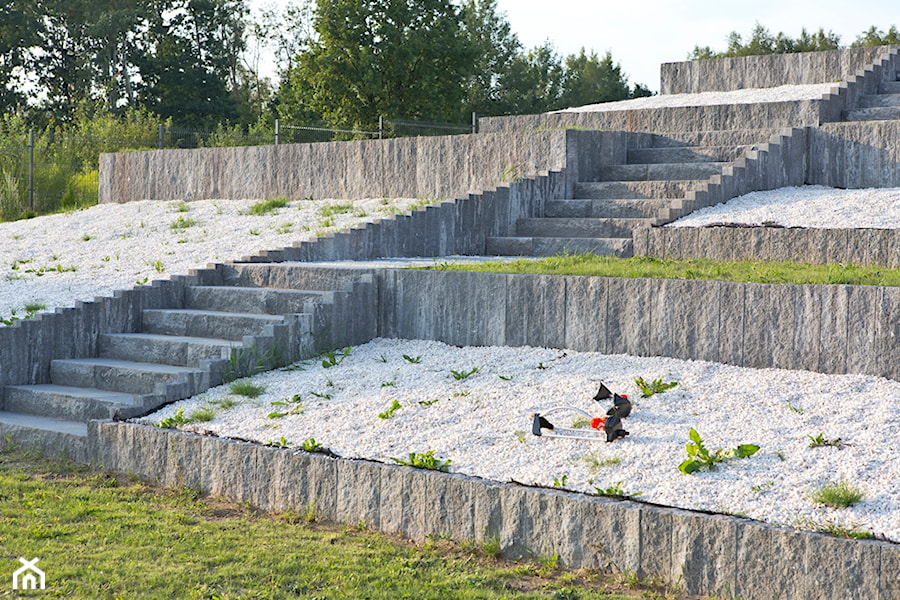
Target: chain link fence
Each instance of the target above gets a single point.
(55, 171)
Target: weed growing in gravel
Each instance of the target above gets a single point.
(332, 360)
(202, 415)
(796, 409)
(224, 403)
(428, 402)
(395, 406)
(414, 360)
(322, 396)
(265, 207)
(595, 464)
(284, 228)
(460, 375)
(838, 494)
(30, 310)
(560, 481)
(654, 387)
(182, 223)
(833, 529)
(177, 419)
(246, 388)
(86, 238)
(616, 490)
(820, 440)
(334, 209)
(310, 445)
(700, 457)
(281, 443)
(424, 460)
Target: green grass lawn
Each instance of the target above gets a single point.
(103, 536)
(703, 269)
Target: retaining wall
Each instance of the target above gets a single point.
(815, 246)
(424, 167)
(703, 554)
(855, 155)
(726, 74)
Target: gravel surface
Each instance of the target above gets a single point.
(784, 93)
(482, 424)
(811, 206)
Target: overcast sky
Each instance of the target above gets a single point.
(643, 34)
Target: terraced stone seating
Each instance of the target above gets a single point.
(883, 106)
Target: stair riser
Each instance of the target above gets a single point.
(554, 246)
(738, 137)
(220, 326)
(634, 190)
(166, 352)
(117, 378)
(889, 87)
(686, 154)
(879, 101)
(249, 300)
(620, 209)
(576, 228)
(873, 114)
(661, 172)
(58, 406)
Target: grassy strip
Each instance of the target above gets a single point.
(700, 268)
(102, 536)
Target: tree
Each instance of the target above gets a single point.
(391, 58)
(876, 37)
(763, 42)
(496, 47)
(18, 32)
(533, 82)
(589, 80)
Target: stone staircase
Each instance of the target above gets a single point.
(882, 106)
(218, 333)
(602, 215)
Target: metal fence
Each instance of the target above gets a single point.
(59, 171)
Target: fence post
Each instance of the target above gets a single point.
(380, 127)
(474, 122)
(277, 130)
(162, 135)
(31, 169)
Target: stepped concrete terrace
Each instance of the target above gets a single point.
(511, 185)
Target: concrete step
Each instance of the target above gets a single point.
(52, 437)
(879, 100)
(206, 323)
(250, 300)
(684, 154)
(634, 190)
(164, 349)
(889, 87)
(75, 403)
(528, 246)
(580, 227)
(124, 376)
(884, 113)
(612, 208)
(736, 137)
(661, 172)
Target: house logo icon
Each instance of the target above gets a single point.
(28, 577)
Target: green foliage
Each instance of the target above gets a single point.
(332, 360)
(461, 375)
(763, 42)
(820, 440)
(177, 419)
(617, 491)
(560, 481)
(700, 457)
(182, 223)
(394, 407)
(269, 206)
(415, 360)
(246, 388)
(876, 37)
(335, 209)
(424, 460)
(840, 494)
(310, 445)
(655, 387)
(202, 415)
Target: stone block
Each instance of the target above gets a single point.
(629, 325)
(805, 329)
(833, 342)
(586, 313)
(685, 319)
(703, 553)
(769, 563)
(732, 321)
(837, 569)
(887, 329)
(535, 311)
(656, 526)
(863, 303)
(357, 492)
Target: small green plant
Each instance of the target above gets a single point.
(334, 209)
(202, 415)
(581, 423)
(560, 481)
(182, 223)
(174, 421)
(332, 360)
(428, 402)
(142, 281)
(310, 445)
(322, 396)
(820, 440)
(796, 409)
(158, 266)
(460, 375)
(833, 529)
(424, 460)
(505, 378)
(616, 490)
(415, 360)
(595, 464)
(224, 403)
(281, 443)
(654, 387)
(267, 206)
(700, 457)
(395, 406)
(254, 231)
(246, 388)
(284, 228)
(521, 436)
(838, 494)
(491, 546)
(388, 384)
(182, 207)
(85, 238)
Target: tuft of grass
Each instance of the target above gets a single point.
(616, 491)
(182, 223)
(394, 407)
(174, 421)
(266, 207)
(595, 464)
(461, 375)
(246, 388)
(820, 440)
(202, 415)
(839, 494)
(640, 267)
(424, 460)
(331, 210)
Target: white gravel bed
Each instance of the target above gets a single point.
(482, 424)
(784, 93)
(812, 206)
(57, 260)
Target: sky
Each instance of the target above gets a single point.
(643, 34)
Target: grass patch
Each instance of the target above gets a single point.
(246, 388)
(146, 542)
(335, 209)
(269, 206)
(840, 494)
(641, 267)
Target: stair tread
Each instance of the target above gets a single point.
(44, 423)
(173, 338)
(79, 392)
(127, 364)
(214, 313)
